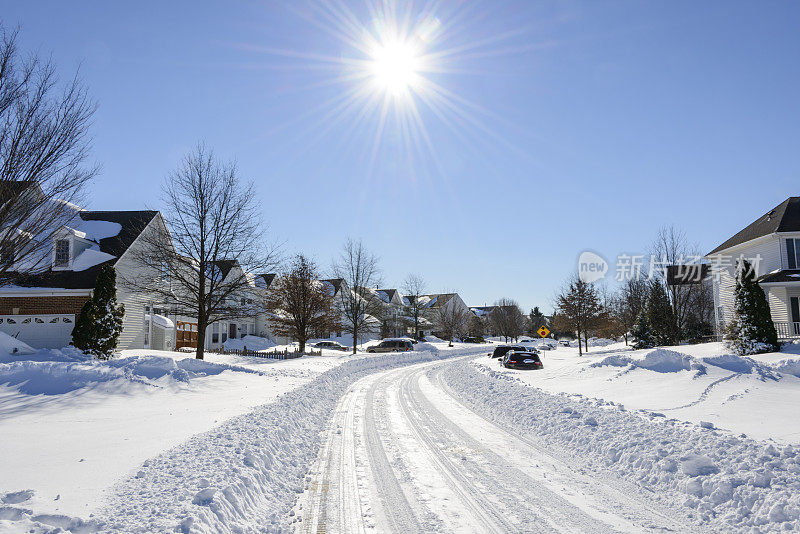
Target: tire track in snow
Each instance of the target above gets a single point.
(398, 512)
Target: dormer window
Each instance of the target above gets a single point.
(62, 253)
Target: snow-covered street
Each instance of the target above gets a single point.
(403, 454)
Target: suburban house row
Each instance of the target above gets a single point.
(41, 308)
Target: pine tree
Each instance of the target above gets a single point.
(752, 331)
(642, 336)
(660, 316)
(99, 324)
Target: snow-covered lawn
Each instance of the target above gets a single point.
(755, 396)
(72, 427)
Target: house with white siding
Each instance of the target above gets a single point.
(40, 307)
(772, 245)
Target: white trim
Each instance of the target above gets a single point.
(42, 292)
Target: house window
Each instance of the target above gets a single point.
(164, 271)
(62, 252)
(792, 253)
(215, 333)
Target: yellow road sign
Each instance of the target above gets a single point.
(543, 331)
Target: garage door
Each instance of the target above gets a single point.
(39, 331)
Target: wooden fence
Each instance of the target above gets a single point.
(285, 354)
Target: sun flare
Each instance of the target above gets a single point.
(395, 66)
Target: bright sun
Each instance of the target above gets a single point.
(395, 67)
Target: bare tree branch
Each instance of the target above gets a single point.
(44, 147)
(203, 264)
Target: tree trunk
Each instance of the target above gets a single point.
(355, 339)
(202, 324)
(626, 339)
(580, 352)
(302, 345)
(585, 341)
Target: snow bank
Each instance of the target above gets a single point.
(33, 377)
(659, 360)
(251, 342)
(726, 482)
(13, 346)
(246, 474)
(669, 361)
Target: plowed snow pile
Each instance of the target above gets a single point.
(725, 481)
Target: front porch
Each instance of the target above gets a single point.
(788, 330)
(783, 294)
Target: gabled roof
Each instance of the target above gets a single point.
(785, 217)
(786, 275)
(336, 283)
(439, 299)
(132, 223)
(268, 278)
(389, 293)
(11, 189)
(225, 266)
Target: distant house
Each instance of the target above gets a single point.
(773, 242)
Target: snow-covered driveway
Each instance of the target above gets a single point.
(403, 454)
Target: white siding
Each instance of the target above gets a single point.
(778, 304)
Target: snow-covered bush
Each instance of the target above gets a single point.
(99, 324)
(752, 331)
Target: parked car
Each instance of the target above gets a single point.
(473, 339)
(564, 342)
(501, 350)
(332, 345)
(521, 360)
(392, 345)
(544, 346)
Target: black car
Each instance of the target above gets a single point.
(473, 339)
(521, 360)
(501, 350)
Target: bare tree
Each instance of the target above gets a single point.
(202, 264)
(672, 248)
(507, 319)
(629, 303)
(580, 307)
(413, 288)
(359, 308)
(44, 147)
(300, 305)
(453, 321)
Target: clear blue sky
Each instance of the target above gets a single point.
(586, 126)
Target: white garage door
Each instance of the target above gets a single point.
(39, 331)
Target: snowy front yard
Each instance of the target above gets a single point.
(73, 427)
(138, 442)
(757, 396)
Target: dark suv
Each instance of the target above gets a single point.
(500, 350)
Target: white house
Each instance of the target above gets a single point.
(772, 245)
(41, 307)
